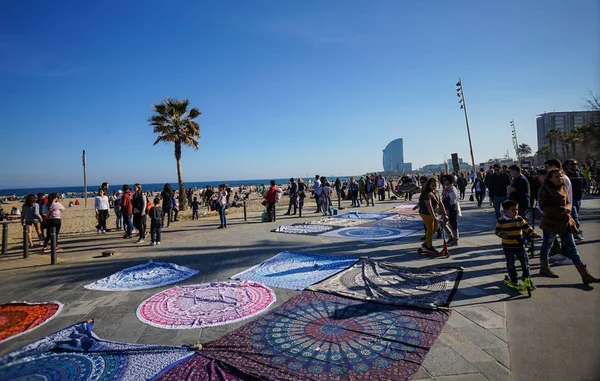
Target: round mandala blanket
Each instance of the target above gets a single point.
(370, 233)
(18, 318)
(205, 305)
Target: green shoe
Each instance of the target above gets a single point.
(514, 286)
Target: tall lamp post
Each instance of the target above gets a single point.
(514, 138)
(463, 105)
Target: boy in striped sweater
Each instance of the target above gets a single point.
(513, 229)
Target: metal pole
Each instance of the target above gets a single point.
(245, 219)
(53, 245)
(84, 180)
(464, 103)
(25, 242)
(4, 238)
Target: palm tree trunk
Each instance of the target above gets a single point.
(182, 198)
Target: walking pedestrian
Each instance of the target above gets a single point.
(127, 211)
(222, 205)
(139, 204)
(101, 208)
(156, 221)
(270, 197)
(430, 205)
(451, 204)
(293, 191)
(53, 220)
(31, 217)
(167, 203)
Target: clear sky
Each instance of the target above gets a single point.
(286, 87)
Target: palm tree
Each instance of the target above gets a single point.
(175, 124)
(553, 137)
(523, 150)
(545, 152)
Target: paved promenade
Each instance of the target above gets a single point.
(493, 333)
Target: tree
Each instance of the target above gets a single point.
(552, 137)
(546, 152)
(523, 150)
(175, 124)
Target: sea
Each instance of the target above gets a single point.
(78, 191)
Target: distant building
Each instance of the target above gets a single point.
(393, 157)
(564, 121)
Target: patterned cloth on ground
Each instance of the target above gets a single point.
(205, 305)
(339, 222)
(370, 233)
(405, 209)
(364, 216)
(316, 336)
(400, 221)
(303, 229)
(140, 277)
(18, 318)
(295, 271)
(75, 353)
(382, 282)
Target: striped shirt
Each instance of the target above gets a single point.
(512, 230)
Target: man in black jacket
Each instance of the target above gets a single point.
(578, 186)
(293, 197)
(498, 188)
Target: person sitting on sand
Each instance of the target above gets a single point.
(76, 202)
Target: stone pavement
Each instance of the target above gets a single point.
(474, 345)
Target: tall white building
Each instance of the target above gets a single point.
(393, 157)
(564, 121)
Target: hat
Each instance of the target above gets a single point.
(119, 191)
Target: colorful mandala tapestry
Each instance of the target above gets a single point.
(18, 318)
(383, 282)
(364, 216)
(199, 368)
(401, 221)
(205, 305)
(370, 233)
(140, 277)
(303, 229)
(75, 353)
(316, 336)
(339, 222)
(295, 271)
(405, 209)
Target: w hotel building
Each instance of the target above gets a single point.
(564, 121)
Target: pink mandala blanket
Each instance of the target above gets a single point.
(205, 305)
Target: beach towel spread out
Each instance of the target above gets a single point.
(18, 318)
(303, 229)
(144, 276)
(403, 221)
(339, 222)
(295, 270)
(382, 282)
(205, 305)
(364, 216)
(317, 336)
(75, 353)
(370, 233)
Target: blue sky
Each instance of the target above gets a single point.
(286, 87)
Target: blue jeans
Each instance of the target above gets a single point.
(127, 224)
(568, 244)
(498, 200)
(155, 230)
(222, 215)
(575, 212)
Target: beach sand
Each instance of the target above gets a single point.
(81, 219)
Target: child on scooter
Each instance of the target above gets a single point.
(513, 229)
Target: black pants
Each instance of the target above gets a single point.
(102, 216)
(294, 203)
(479, 197)
(167, 213)
(510, 255)
(176, 213)
(381, 194)
(355, 198)
(51, 223)
(139, 222)
(155, 230)
(462, 193)
(271, 211)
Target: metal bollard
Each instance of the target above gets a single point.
(4, 238)
(53, 245)
(245, 211)
(25, 242)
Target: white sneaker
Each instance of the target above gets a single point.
(158, 243)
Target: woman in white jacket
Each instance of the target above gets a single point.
(101, 207)
(450, 199)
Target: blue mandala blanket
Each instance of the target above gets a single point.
(365, 216)
(316, 336)
(295, 271)
(370, 233)
(75, 353)
(140, 277)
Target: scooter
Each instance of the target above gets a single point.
(444, 253)
(526, 286)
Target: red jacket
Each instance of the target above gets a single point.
(126, 206)
(270, 195)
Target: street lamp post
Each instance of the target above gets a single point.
(514, 138)
(463, 105)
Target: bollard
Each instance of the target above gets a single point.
(53, 245)
(25, 242)
(4, 238)
(245, 211)
(339, 202)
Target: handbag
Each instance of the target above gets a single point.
(471, 198)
